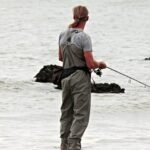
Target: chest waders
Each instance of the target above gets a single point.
(76, 96)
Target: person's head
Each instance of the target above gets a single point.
(80, 16)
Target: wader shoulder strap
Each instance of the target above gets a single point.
(68, 41)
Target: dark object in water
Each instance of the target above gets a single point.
(106, 88)
(147, 58)
(46, 74)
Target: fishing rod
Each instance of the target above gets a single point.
(129, 77)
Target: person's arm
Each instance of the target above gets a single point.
(91, 62)
(87, 49)
(60, 55)
(59, 50)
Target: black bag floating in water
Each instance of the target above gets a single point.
(53, 73)
(148, 58)
(106, 88)
(50, 73)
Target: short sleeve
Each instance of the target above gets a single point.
(86, 43)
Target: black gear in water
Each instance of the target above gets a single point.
(46, 74)
(148, 58)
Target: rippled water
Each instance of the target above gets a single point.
(29, 111)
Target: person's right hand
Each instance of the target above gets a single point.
(102, 65)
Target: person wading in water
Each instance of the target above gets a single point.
(75, 51)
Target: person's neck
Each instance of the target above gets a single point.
(81, 26)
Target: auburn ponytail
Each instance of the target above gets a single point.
(80, 14)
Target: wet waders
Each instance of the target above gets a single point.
(76, 98)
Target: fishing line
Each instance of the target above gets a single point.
(131, 78)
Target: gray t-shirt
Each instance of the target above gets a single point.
(80, 39)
